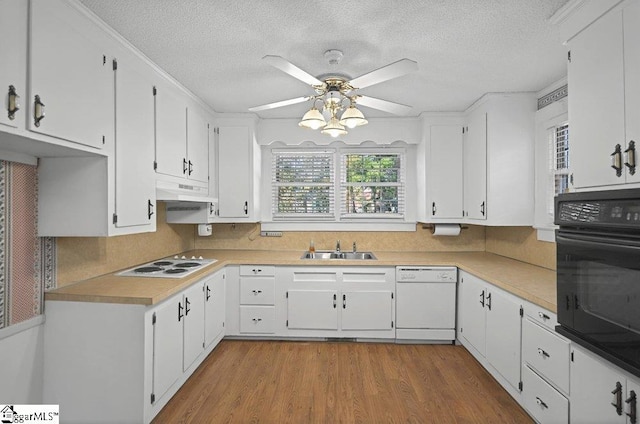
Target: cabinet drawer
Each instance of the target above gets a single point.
(542, 401)
(253, 270)
(257, 319)
(257, 291)
(547, 353)
(542, 317)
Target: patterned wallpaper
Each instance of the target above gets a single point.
(27, 262)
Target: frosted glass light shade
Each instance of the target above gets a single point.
(334, 128)
(352, 117)
(312, 119)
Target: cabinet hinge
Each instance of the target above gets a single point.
(115, 65)
(223, 324)
(462, 130)
(521, 311)
(153, 319)
(153, 398)
(392, 295)
(203, 345)
(104, 60)
(115, 218)
(391, 324)
(155, 91)
(520, 385)
(287, 295)
(216, 130)
(461, 330)
(155, 165)
(572, 356)
(287, 323)
(102, 139)
(569, 56)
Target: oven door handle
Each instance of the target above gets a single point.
(610, 243)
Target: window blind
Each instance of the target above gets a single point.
(303, 184)
(558, 163)
(372, 185)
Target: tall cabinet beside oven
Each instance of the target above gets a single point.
(604, 92)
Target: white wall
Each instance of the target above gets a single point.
(21, 362)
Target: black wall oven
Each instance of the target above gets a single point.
(598, 252)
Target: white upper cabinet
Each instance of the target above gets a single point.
(237, 164)
(475, 166)
(499, 160)
(604, 99)
(171, 131)
(197, 144)
(13, 51)
(444, 176)
(70, 76)
(135, 190)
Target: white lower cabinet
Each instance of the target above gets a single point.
(127, 359)
(600, 392)
(348, 302)
(490, 321)
(257, 319)
(257, 299)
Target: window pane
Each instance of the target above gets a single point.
(294, 199)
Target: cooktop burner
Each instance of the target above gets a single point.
(176, 267)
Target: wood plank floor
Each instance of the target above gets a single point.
(325, 382)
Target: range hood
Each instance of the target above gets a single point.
(177, 192)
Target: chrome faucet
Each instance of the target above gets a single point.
(355, 248)
(338, 246)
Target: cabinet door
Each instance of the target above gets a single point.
(472, 312)
(214, 289)
(193, 324)
(71, 72)
(312, 309)
(171, 132)
(366, 310)
(592, 382)
(444, 176)
(234, 172)
(135, 179)
(13, 51)
(631, 16)
(167, 345)
(596, 103)
(197, 145)
(504, 334)
(475, 166)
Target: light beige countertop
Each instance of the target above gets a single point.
(530, 282)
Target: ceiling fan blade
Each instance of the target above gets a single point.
(384, 105)
(279, 104)
(393, 70)
(291, 69)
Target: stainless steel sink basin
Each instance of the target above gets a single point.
(349, 256)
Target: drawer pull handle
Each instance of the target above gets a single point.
(256, 270)
(541, 403)
(633, 419)
(542, 353)
(256, 320)
(12, 105)
(256, 292)
(38, 111)
(543, 316)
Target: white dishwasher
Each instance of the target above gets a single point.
(426, 303)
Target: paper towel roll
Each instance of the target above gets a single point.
(445, 229)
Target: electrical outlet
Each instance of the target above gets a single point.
(270, 233)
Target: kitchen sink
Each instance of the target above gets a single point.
(349, 256)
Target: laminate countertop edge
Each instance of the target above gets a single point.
(529, 282)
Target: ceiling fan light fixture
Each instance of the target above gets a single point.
(334, 128)
(353, 117)
(313, 119)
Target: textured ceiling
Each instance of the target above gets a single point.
(464, 48)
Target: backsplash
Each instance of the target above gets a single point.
(80, 258)
(27, 262)
(521, 243)
(247, 236)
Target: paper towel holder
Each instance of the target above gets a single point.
(431, 226)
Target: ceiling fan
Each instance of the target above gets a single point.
(337, 93)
